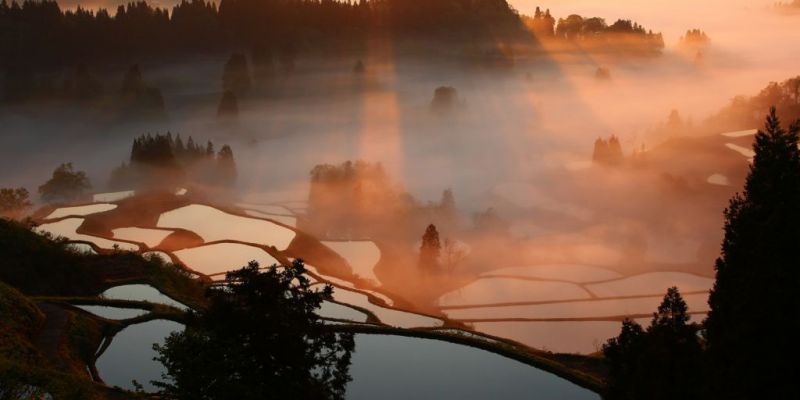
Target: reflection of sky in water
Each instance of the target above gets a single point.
(113, 312)
(130, 355)
(394, 367)
(140, 293)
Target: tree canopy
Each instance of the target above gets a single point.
(65, 185)
(751, 325)
(259, 338)
(430, 249)
(662, 362)
(13, 201)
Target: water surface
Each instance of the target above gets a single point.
(395, 367)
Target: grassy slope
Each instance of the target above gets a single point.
(23, 370)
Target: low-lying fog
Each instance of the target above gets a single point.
(531, 127)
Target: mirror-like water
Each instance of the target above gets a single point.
(284, 219)
(113, 312)
(68, 229)
(150, 237)
(266, 208)
(141, 293)
(222, 257)
(213, 225)
(565, 272)
(362, 256)
(388, 316)
(651, 283)
(81, 210)
(506, 290)
(394, 367)
(579, 309)
(130, 355)
(338, 311)
(113, 196)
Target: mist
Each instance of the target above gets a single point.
(517, 139)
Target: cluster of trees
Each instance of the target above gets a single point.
(626, 34)
(668, 351)
(259, 338)
(162, 160)
(542, 24)
(39, 32)
(608, 152)
(358, 199)
(737, 356)
(695, 37)
(65, 185)
(133, 99)
(744, 112)
(354, 198)
(436, 255)
(793, 6)
(13, 202)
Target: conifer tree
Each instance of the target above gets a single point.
(430, 249)
(663, 362)
(751, 328)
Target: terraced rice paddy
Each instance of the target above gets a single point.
(212, 225)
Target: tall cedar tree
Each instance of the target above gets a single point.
(752, 327)
(430, 249)
(259, 338)
(663, 362)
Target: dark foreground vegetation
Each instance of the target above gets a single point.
(164, 161)
(45, 344)
(40, 33)
(259, 338)
(736, 356)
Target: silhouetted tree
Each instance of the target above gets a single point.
(608, 152)
(745, 112)
(259, 338)
(140, 99)
(236, 77)
(430, 249)
(622, 355)
(228, 105)
(226, 166)
(542, 24)
(750, 329)
(664, 362)
(65, 185)
(695, 37)
(13, 201)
